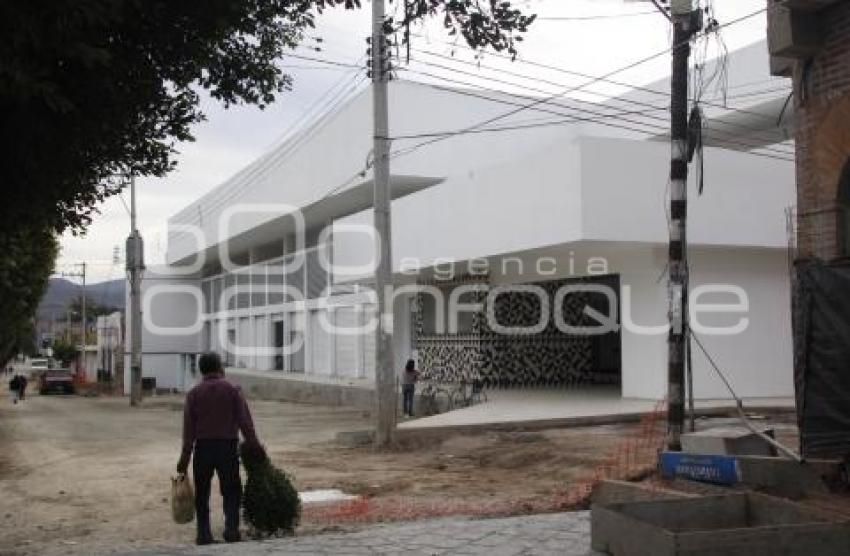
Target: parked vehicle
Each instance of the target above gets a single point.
(56, 380)
(39, 364)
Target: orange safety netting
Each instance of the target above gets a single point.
(633, 458)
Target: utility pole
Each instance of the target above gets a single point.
(686, 23)
(81, 274)
(135, 264)
(83, 311)
(384, 359)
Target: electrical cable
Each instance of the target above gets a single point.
(549, 82)
(273, 156)
(598, 105)
(628, 86)
(739, 403)
(655, 129)
(277, 155)
(322, 60)
(593, 17)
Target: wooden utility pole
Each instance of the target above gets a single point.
(385, 394)
(83, 311)
(81, 274)
(135, 264)
(686, 22)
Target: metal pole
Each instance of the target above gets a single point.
(135, 265)
(692, 415)
(83, 324)
(685, 24)
(384, 359)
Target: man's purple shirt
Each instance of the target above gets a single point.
(215, 410)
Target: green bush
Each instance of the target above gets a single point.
(270, 501)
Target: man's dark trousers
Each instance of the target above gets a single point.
(407, 391)
(221, 457)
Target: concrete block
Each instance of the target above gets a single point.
(793, 33)
(727, 441)
(785, 477)
(727, 525)
(265, 387)
(616, 492)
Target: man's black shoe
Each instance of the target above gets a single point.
(201, 541)
(232, 536)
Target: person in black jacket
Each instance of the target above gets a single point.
(15, 388)
(22, 387)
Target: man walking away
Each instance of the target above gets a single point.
(14, 388)
(214, 413)
(408, 387)
(22, 387)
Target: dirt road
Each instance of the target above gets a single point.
(82, 475)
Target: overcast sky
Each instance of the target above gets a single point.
(592, 43)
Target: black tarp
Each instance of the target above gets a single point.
(822, 357)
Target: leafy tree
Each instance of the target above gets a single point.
(65, 352)
(27, 256)
(93, 309)
(91, 89)
(94, 88)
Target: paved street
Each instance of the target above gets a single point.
(564, 534)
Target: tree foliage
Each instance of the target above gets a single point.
(65, 352)
(90, 89)
(27, 256)
(270, 501)
(94, 89)
(93, 309)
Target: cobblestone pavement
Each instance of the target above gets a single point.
(564, 534)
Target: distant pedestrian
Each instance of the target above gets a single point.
(14, 389)
(214, 414)
(22, 387)
(408, 386)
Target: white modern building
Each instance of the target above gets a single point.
(561, 193)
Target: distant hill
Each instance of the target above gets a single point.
(61, 292)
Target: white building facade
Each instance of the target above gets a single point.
(273, 267)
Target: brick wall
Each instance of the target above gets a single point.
(822, 99)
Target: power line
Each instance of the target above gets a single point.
(309, 67)
(274, 157)
(661, 10)
(594, 80)
(438, 137)
(612, 99)
(593, 17)
(638, 103)
(654, 129)
(322, 61)
(602, 79)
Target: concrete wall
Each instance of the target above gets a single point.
(743, 202)
(758, 361)
(171, 315)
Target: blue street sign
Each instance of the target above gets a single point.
(721, 470)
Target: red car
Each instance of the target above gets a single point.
(56, 380)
